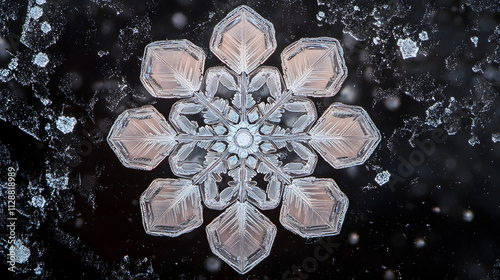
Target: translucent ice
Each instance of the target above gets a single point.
(65, 124)
(35, 13)
(45, 27)
(237, 123)
(41, 59)
(38, 201)
(423, 36)
(474, 40)
(408, 48)
(495, 137)
(382, 177)
(22, 252)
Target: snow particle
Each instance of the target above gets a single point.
(474, 140)
(41, 59)
(102, 53)
(353, 238)
(13, 63)
(65, 124)
(46, 27)
(41, 2)
(419, 242)
(383, 177)
(179, 20)
(495, 137)
(423, 36)
(38, 201)
(35, 12)
(22, 252)
(474, 40)
(56, 182)
(408, 48)
(468, 216)
(376, 40)
(320, 16)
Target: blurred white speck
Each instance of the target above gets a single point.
(474, 39)
(353, 238)
(56, 182)
(436, 210)
(38, 270)
(38, 201)
(320, 16)
(41, 59)
(474, 140)
(35, 12)
(179, 20)
(376, 40)
(408, 48)
(40, 2)
(212, 264)
(45, 27)
(13, 63)
(468, 216)
(392, 102)
(495, 137)
(477, 68)
(419, 242)
(22, 252)
(356, 8)
(4, 72)
(65, 124)
(382, 177)
(423, 36)
(102, 53)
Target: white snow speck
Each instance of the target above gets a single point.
(179, 20)
(474, 140)
(13, 63)
(468, 216)
(38, 201)
(38, 270)
(376, 40)
(41, 2)
(408, 48)
(41, 59)
(102, 53)
(4, 72)
(35, 12)
(474, 39)
(423, 36)
(383, 177)
(65, 124)
(320, 16)
(56, 182)
(22, 252)
(495, 137)
(45, 27)
(419, 242)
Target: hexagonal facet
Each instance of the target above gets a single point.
(314, 67)
(172, 69)
(344, 136)
(141, 138)
(313, 207)
(171, 207)
(243, 40)
(241, 236)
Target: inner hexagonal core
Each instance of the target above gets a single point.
(243, 138)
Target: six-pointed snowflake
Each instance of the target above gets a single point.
(243, 138)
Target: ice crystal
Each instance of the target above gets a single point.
(45, 27)
(41, 59)
(383, 177)
(238, 121)
(408, 48)
(65, 124)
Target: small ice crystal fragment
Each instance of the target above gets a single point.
(45, 27)
(495, 137)
(13, 63)
(35, 12)
(38, 201)
(408, 48)
(22, 252)
(38, 270)
(56, 182)
(65, 124)
(4, 72)
(41, 2)
(382, 177)
(423, 36)
(320, 16)
(474, 140)
(474, 40)
(102, 53)
(376, 40)
(41, 59)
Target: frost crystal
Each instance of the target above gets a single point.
(495, 137)
(382, 177)
(241, 135)
(41, 59)
(65, 124)
(423, 36)
(45, 27)
(408, 48)
(35, 13)
(474, 40)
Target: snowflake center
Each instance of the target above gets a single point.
(243, 138)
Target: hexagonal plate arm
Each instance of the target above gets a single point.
(171, 207)
(314, 67)
(344, 136)
(172, 69)
(313, 207)
(243, 40)
(141, 138)
(241, 236)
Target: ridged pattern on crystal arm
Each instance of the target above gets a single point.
(243, 40)
(313, 207)
(141, 138)
(344, 136)
(314, 67)
(172, 69)
(241, 236)
(171, 207)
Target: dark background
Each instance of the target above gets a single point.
(437, 217)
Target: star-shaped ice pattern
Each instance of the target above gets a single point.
(243, 138)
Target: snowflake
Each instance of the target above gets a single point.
(242, 138)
